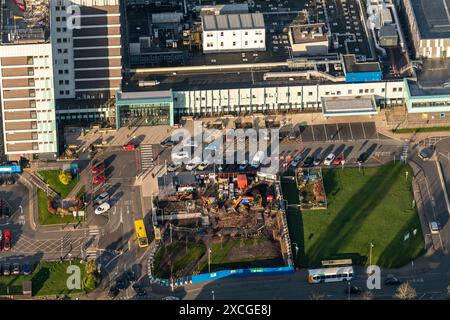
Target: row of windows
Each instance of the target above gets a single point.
(60, 19)
(210, 44)
(61, 29)
(63, 81)
(332, 276)
(62, 92)
(64, 40)
(327, 93)
(209, 34)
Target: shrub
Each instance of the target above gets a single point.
(65, 177)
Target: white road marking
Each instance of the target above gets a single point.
(121, 215)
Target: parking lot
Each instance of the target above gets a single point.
(338, 132)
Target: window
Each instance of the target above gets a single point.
(361, 91)
(366, 91)
(66, 81)
(221, 34)
(382, 89)
(299, 94)
(66, 61)
(61, 81)
(66, 71)
(234, 43)
(58, 19)
(246, 43)
(399, 89)
(221, 44)
(246, 33)
(59, 51)
(338, 92)
(60, 72)
(310, 94)
(67, 92)
(372, 90)
(394, 89)
(58, 29)
(61, 92)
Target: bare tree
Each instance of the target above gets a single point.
(367, 295)
(405, 292)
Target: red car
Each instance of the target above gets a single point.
(7, 240)
(98, 169)
(98, 179)
(339, 159)
(129, 147)
(20, 4)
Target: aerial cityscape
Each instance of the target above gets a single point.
(207, 150)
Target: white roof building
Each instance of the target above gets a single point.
(233, 32)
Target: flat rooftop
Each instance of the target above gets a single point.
(344, 106)
(233, 21)
(351, 65)
(417, 90)
(308, 33)
(432, 17)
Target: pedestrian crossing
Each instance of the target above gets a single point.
(146, 151)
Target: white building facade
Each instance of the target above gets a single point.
(233, 32)
(27, 104)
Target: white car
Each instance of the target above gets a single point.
(202, 166)
(434, 227)
(181, 155)
(103, 208)
(173, 167)
(329, 159)
(193, 163)
(244, 165)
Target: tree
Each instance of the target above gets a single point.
(92, 277)
(65, 177)
(405, 292)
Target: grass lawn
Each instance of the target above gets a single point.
(46, 217)
(417, 130)
(182, 257)
(220, 259)
(372, 205)
(51, 177)
(49, 278)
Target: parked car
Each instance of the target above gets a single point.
(7, 240)
(6, 269)
(167, 142)
(129, 147)
(101, 198)
(353, 290)
(329, 159)
(339, 160)
(296, 161)
(173, 167)
(98, 169)
(139, 290)
(27, 269)
(317, 160)
(425, 153)
(434, 227)
(131, 276)
(170, 298)
(362, 157)
(16, 268)
(243, 165)
(292, 135)
(392, 281)
(113, 292)
(309, 161)
(121, 284)
(98, 179)
(202, 166)
(193, 163)
(103, 208)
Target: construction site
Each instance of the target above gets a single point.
(25, 21)
(222, 221)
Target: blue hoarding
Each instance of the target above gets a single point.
(10, 169)
(363, 76)
(204, 277)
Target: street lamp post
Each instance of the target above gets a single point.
(348, 290)
(370, 253)
(209, 259)
(213, 297)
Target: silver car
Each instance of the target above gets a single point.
(102, 198)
